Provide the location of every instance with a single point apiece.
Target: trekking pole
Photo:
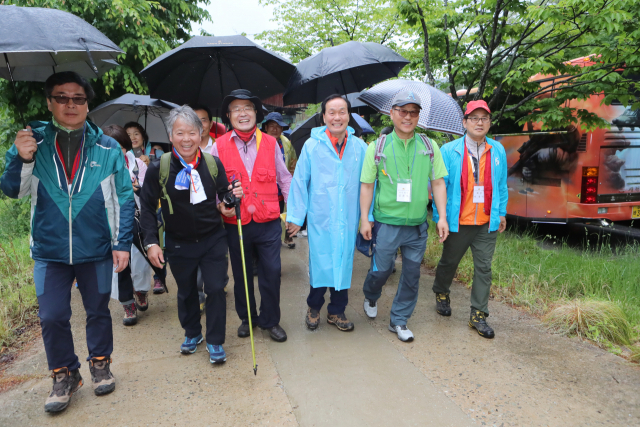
(246, 286)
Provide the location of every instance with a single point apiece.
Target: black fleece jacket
(188, 223)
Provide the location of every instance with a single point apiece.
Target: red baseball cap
(474, 105)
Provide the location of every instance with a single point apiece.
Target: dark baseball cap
(405, 97)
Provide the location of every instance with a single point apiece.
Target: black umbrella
(302, 132)
(358, 106)
(37, 42)
(347, 68)
(143, 109)
(205, 69)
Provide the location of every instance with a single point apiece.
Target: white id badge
(404, 191)
(478, 194)
(197, 190)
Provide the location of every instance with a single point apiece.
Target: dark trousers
(53, 282)
(483, 245)
(339, 299)
(210, 256)
(125, 284)
(264, 238)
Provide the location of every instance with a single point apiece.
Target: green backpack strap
(211, 165)
(165, 166)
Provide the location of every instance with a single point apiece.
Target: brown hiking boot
(130, 314)
(312, 318)
(65, 383)
(341, 322)
(142, 303)
(102, 379)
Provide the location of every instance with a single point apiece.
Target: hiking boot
(478, 321)
(190, 345)
(404, 334)
(142, 303)
(158, 287)
(370, 308)
(443, 304)
(312, 319)
(216, 354)
(65, 383)
(243, 329)
(102, 379)
(341, 322)
(130, 314)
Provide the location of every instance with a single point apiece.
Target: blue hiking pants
(412, 241)
(54, 282)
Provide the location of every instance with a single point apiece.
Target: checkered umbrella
(439, 111)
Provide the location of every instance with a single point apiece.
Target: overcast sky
(232, 17)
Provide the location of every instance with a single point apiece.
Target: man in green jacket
(402, 164)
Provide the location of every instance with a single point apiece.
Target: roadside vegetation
(18, 302)
(593, 293)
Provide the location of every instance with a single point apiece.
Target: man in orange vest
(253, 158)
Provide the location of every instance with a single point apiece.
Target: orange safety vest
(260, 202)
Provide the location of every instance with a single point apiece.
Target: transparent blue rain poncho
(326, 190)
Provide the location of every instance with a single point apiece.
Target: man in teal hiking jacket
(82, 212)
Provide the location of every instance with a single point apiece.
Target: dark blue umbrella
(366, 127)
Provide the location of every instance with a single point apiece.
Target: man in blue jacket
(82, 218)
(477, 198)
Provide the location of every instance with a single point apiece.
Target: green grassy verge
(18, 302)
(538, 279)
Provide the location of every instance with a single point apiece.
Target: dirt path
(448, 376)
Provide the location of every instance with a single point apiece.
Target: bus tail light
(589, 191)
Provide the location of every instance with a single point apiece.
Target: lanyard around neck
(415, 149)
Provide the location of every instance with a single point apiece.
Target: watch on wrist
(146, 248)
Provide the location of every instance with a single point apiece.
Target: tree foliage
(143, 29)
(493, 49)
(307, 26)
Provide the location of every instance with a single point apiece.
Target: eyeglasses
(237, 110)
(403, 113)
(64, 100)
(479, 119)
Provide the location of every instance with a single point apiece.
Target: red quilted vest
(260, 202)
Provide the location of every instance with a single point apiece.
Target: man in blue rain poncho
(326, 188)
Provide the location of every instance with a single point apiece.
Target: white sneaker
(371, 308)
(304, 233)
(404, 334)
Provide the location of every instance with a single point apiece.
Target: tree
(143, 29)
(307, 26)
(494, 48)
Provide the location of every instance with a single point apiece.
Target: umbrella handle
(15, 91)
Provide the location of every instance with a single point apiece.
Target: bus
(574, 176)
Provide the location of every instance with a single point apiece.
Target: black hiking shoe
(130, 314)
(65, 383)
(102, 379)
(443, 304)
(243, 329)
(312, 319)
(478, 321)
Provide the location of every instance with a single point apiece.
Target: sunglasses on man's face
(61, 99)
(403, 113)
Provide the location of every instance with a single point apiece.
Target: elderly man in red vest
(253, 158)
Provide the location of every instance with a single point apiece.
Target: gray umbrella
(149, 112)
(439, 111)
(37, 42)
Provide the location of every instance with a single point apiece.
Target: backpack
(379, 153)
(165, 166)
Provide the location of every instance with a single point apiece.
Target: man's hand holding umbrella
(26, 144)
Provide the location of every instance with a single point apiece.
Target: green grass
(526, 275)
(18, 302)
